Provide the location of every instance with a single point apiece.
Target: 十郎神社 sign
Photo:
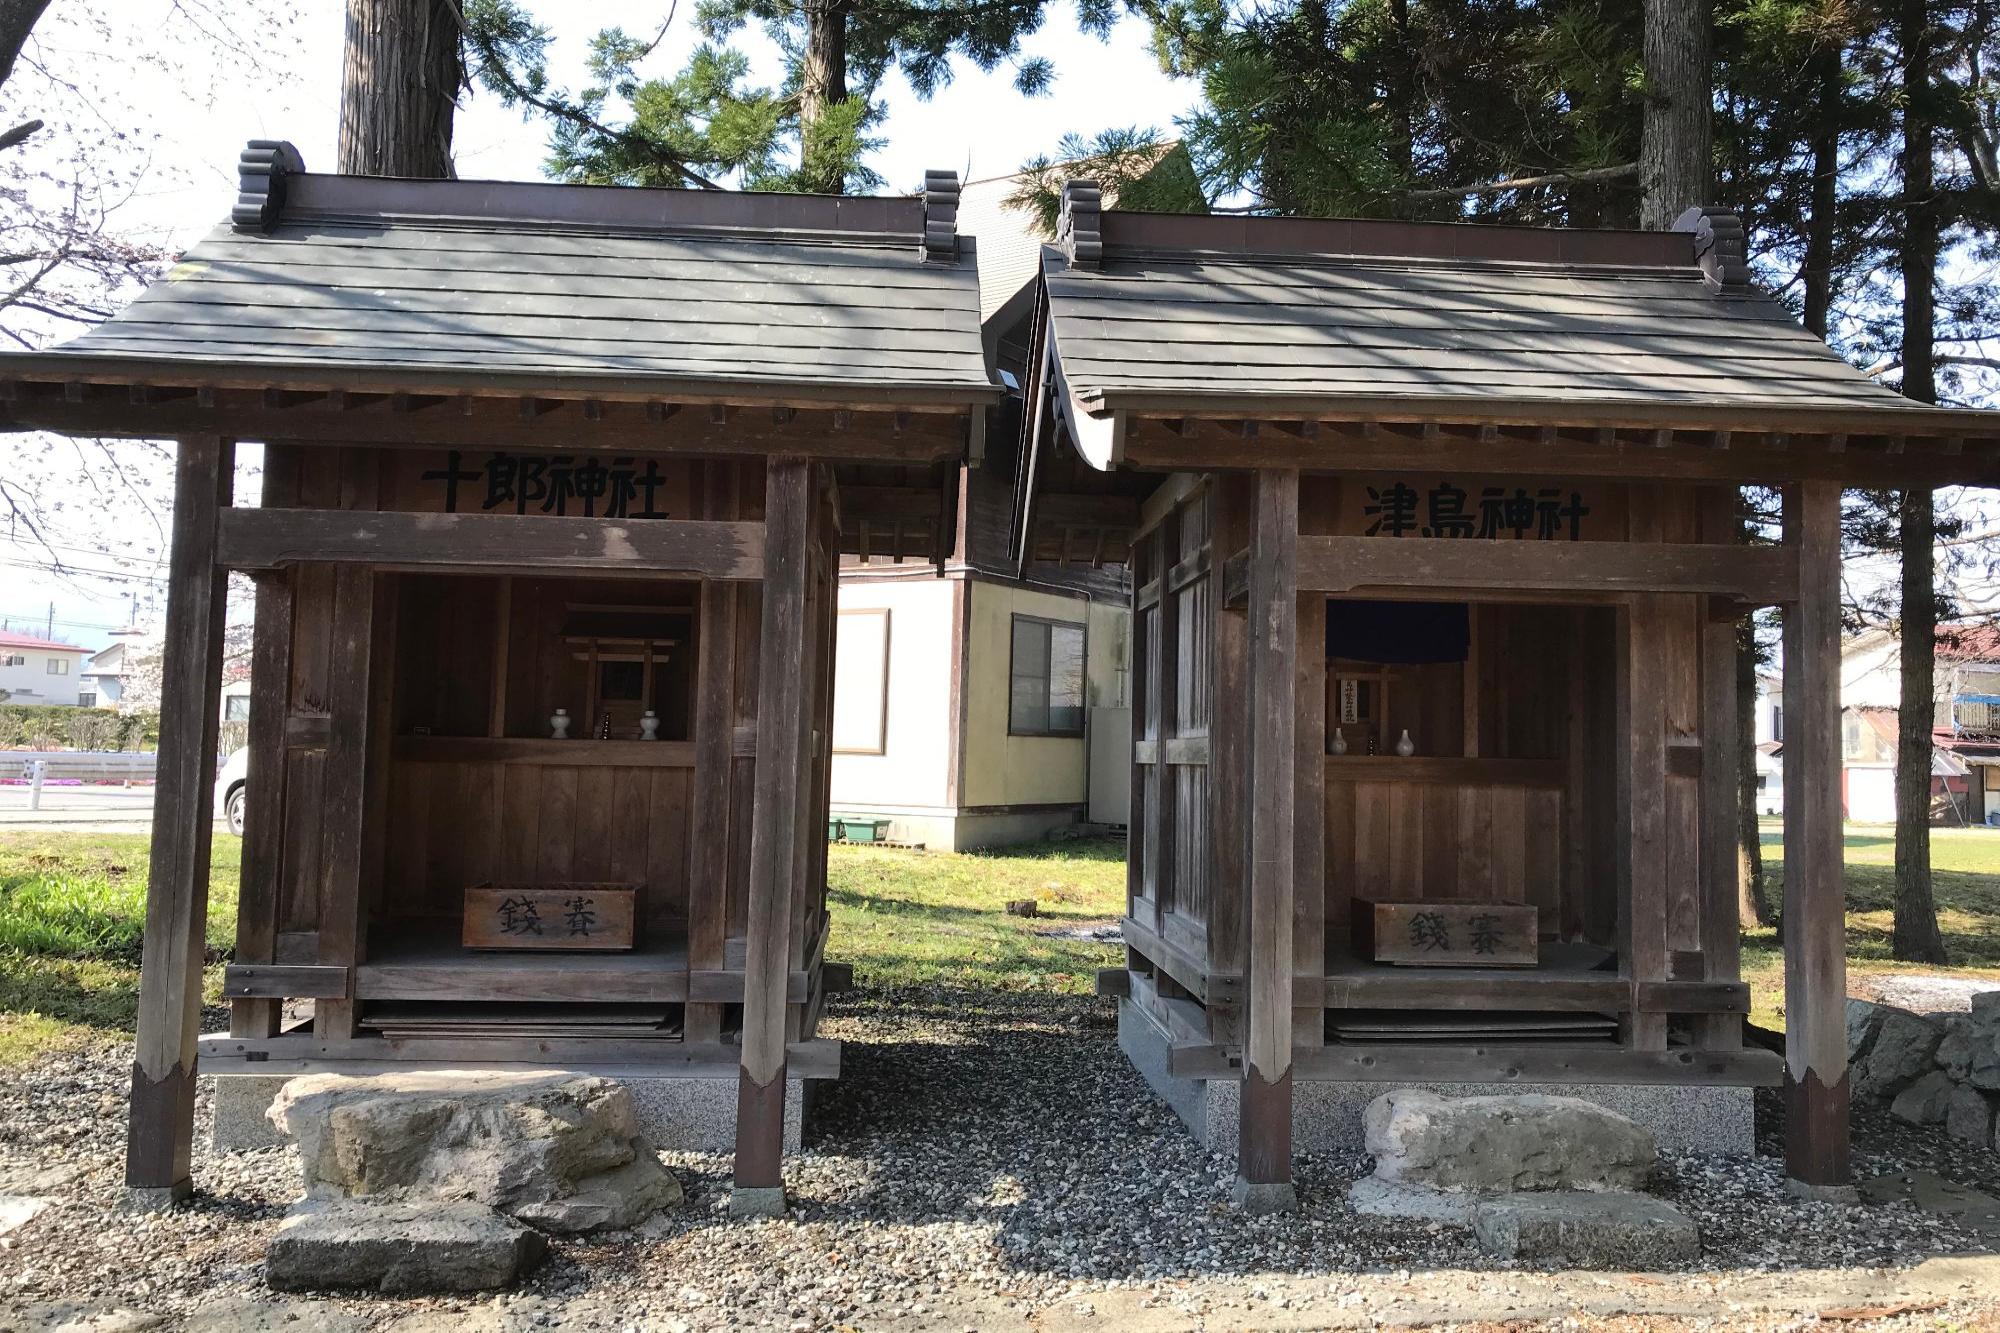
(580, 485)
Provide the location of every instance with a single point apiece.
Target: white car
(229, 794)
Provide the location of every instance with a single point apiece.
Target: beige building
(985, 701)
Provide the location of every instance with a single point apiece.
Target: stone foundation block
(1327, 1117)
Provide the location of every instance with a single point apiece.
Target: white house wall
(31, 682)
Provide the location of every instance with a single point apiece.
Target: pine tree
(708, 124)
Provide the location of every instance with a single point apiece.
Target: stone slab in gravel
(1586, 1230)
(1503, 1144)
(252, 1316)
(1969, 1208)
(17, 1210)
(1372, 1196)
(399, 1246)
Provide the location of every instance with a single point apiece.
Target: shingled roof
(1323, 319)
(451, 286)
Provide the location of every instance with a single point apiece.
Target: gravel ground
(983, 1159)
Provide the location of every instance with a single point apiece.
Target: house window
(1777, 722)
(1852, 749)
(58, 666)
(861, 682)
(12, 659)
(86, 698)
(236, 708)
(1045, 695)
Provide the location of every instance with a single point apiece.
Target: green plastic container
(848, 828)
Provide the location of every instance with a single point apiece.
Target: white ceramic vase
(559, 725)
(1404, 745)
(649, 725)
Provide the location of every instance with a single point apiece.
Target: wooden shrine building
(527, 448)
(1436, 592)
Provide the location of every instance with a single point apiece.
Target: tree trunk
(1916, 936)
(1753, 907)
(1818, 273)
(17, 20)
(822, 86)
(398, 88)
(1676, 145)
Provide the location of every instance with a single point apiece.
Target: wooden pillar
(1228, 755)
(714, 748)
(344, 791)
(1264, 1144)
(1721, 932)
(1642, 803)
(781, 778)
(1319, 504)
(161, 1136)
(264, 779)
(1815, 920)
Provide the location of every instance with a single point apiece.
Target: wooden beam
(244, 981)
(1757, 576)
(1441, 1063)
(872, 433)
(1264, 1146)
(160, 1138)
(775, 819)
(610, 1056)
(1816, 1118)
(491, 543)
(1216, 444)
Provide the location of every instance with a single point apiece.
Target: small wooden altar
(527, 448)
(1477, 486)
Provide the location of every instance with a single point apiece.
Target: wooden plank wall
(1450, 837)
(1171, 873)
(456, 824)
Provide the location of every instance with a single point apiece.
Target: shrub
(54, 727)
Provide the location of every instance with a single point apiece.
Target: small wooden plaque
(550, 916)
(1446, 932)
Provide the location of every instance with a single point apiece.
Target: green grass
(908, 918)
(72, 910)
(1965, 873)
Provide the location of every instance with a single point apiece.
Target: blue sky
(191, 105)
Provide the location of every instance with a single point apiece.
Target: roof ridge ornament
(1078, 229)
(261, 170)
(1721, 248)
(940, 240)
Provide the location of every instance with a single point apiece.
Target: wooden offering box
(550, 916)
(1446, 932)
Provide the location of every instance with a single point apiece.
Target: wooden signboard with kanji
(1454, 932)
(550, 916)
